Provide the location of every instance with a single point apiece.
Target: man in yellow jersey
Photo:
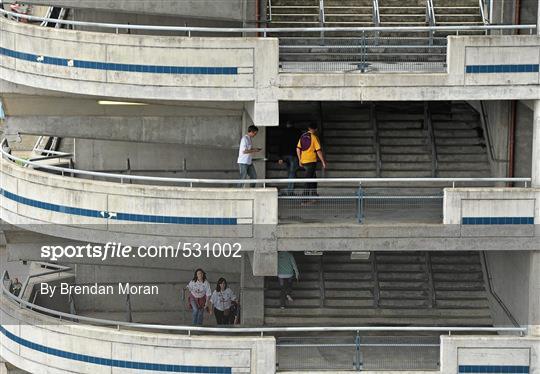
(309, 150)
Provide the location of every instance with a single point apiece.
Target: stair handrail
(376, 15)
(431, 136)
(376, 140)
(322, 19)
(430, 15)
(494, 293)
(269, 11)
(47, 15)
(482, 4)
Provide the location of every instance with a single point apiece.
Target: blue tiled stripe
(114, 363)
(497, 220)
(96, 65)
(523, 68)
(513, 369)
(118, 216)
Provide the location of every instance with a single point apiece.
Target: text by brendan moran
(97, 289)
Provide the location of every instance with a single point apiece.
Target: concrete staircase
(390, 288)
(404, 141)
(457, 13)
(459, 141)
(402, 12)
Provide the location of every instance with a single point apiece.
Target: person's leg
(282, 292)
(292, 162)
(219, 316)
(289, 288)
(194, 311)
(243, 173)
(310, 173)
(200, 316)
(252, 174)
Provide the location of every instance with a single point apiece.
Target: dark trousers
(311, 172)
(221, 318)
(285, 285)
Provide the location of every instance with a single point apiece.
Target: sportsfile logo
(118, 250)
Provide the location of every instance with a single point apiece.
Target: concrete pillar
(535, 172)
(534, 294)
(251, 294)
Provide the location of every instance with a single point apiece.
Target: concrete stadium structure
(121, 122)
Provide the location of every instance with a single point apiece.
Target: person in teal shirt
(287, 270)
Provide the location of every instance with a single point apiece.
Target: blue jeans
(245, 171)
(196, 313)
(292, 166)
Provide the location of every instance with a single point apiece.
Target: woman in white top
(222, 300)
(199, 294)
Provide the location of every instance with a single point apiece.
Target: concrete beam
(535, 170)
(221, 132)
(534, 294)
(208, 9)
(263, 113)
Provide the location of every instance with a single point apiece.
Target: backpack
(305, 141)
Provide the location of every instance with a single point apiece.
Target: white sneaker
(290, 298)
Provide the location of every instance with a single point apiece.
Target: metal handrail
(263, 30)
(430, 9)
(356, 181)
(322, 17)
(376, 13)
(431, 134)
(254, 330)
(482, 12)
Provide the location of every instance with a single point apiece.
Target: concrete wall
(122, 212)
(523, 141)
(144, 67)
(237, 10)
(485, 354)
(463, 204)
(510, 271)
(27, 338)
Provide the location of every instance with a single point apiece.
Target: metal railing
(376, 13)
(430, 15)
(242, 330)
(355, 182)
(263, 30)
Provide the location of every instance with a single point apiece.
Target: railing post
(360, 205)
(358, 356)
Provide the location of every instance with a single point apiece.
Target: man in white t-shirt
(245, 155)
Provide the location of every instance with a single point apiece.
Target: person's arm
(318, 150)
(299, 154)
(321, 157)
(208, 293)
(211, 302)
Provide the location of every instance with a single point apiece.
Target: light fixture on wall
(360, 255)
(110, 102)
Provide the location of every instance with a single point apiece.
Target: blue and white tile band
(109, 66)
(522, 68)
(118, 215)
(114, 363)
(493, 369)
(497, 220)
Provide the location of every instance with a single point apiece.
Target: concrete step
(461, 276)
(406, 166)
(457, 150)
(406, 157)
(405, 149)
(400, 125)
(348, 3)
(344, 284)
(334, 149)
(474, 157)
(362, 133)
(459, 141)
(346, 267)
(356, 303)
(459, 295)
(352, 276)
(349, 141)
(344, 157)
(297, 302)
(401, 294)
(455, 3)
(347, 125)
(463, 166)
(464, 174)
(472, 133)
(331, 293)
(406, 174)
(370, 312)
(397, 320)
(403, 141)
(298, 294)
(402, 133)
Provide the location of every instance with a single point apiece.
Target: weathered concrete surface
(535, 168)
(489, 350)
(223, 9)
(242, 354)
